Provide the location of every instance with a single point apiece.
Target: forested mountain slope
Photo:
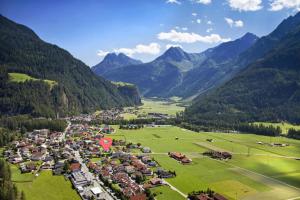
(78, 89)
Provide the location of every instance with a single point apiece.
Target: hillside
(217, 67)
(267, 90)
(77, 88)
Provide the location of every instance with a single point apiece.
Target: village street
(95, 182)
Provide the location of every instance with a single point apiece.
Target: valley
(150, 100)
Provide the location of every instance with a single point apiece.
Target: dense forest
(27, 123)
(78, 88)
(8, 191)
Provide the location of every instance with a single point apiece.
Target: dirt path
(175, 189)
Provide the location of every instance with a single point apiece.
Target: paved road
(90, 176)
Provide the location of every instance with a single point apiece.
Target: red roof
(75, 167)
(140, 196)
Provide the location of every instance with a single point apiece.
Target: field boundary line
(175, 189)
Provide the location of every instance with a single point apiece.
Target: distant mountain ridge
(178, 73)
(113, 61)
(78, 89)
(268, 89)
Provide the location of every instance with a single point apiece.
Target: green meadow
(256, 171)
(151, 106)
(20, 78)
(44, 186)
(283, 125)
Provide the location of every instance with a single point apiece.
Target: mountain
(42, 79)
(158, 77)
(113, 61)
(216, 67)
(268, 89)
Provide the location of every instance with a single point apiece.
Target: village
(116, 174)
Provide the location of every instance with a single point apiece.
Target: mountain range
(176, 72)
(268, 89)
(28, 65)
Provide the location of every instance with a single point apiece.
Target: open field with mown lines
(255, 172)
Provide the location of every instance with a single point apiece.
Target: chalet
(146, 150)
(140, 196)
(74, 167)
(156, 181)
(78, 179)
(217, 196)
(164, 174)
(37, 156)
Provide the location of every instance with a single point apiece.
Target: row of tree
(8, 190)
(27, 123)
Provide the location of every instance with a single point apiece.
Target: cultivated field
(155, 106)
(284, 126)
(256, 171)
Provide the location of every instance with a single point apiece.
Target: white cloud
(173, 1)
(245, 5)
(184, 28)
(232, 23)
(209, 22)
(239, 23)
(206, 2)
(209, 30)
(152, 48)
(194, 14)
(102, 53)
(173, 45)
(198, 21)
(277, 5)
(185, 37)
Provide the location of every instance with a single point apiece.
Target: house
(217, 196)
(75, 167)
(164, 174)
(146, 150)
(36, 156)
(156, 181)
(96, 192)
(130, 169)
(140, 196)
(78, 179)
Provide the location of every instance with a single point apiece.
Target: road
(90, 176)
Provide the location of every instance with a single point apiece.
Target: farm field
(150, 106)
(255, 172)
(45, 186)
(284, 126)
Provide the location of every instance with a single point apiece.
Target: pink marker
(105, 143)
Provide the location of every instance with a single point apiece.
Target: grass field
(45, 186)
(20, 78)
(231, 178)
(284, 126)
(152, 106)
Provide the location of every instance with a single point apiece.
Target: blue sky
(143, 29)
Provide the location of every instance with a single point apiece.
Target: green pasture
(20, 78)
(229, 178)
